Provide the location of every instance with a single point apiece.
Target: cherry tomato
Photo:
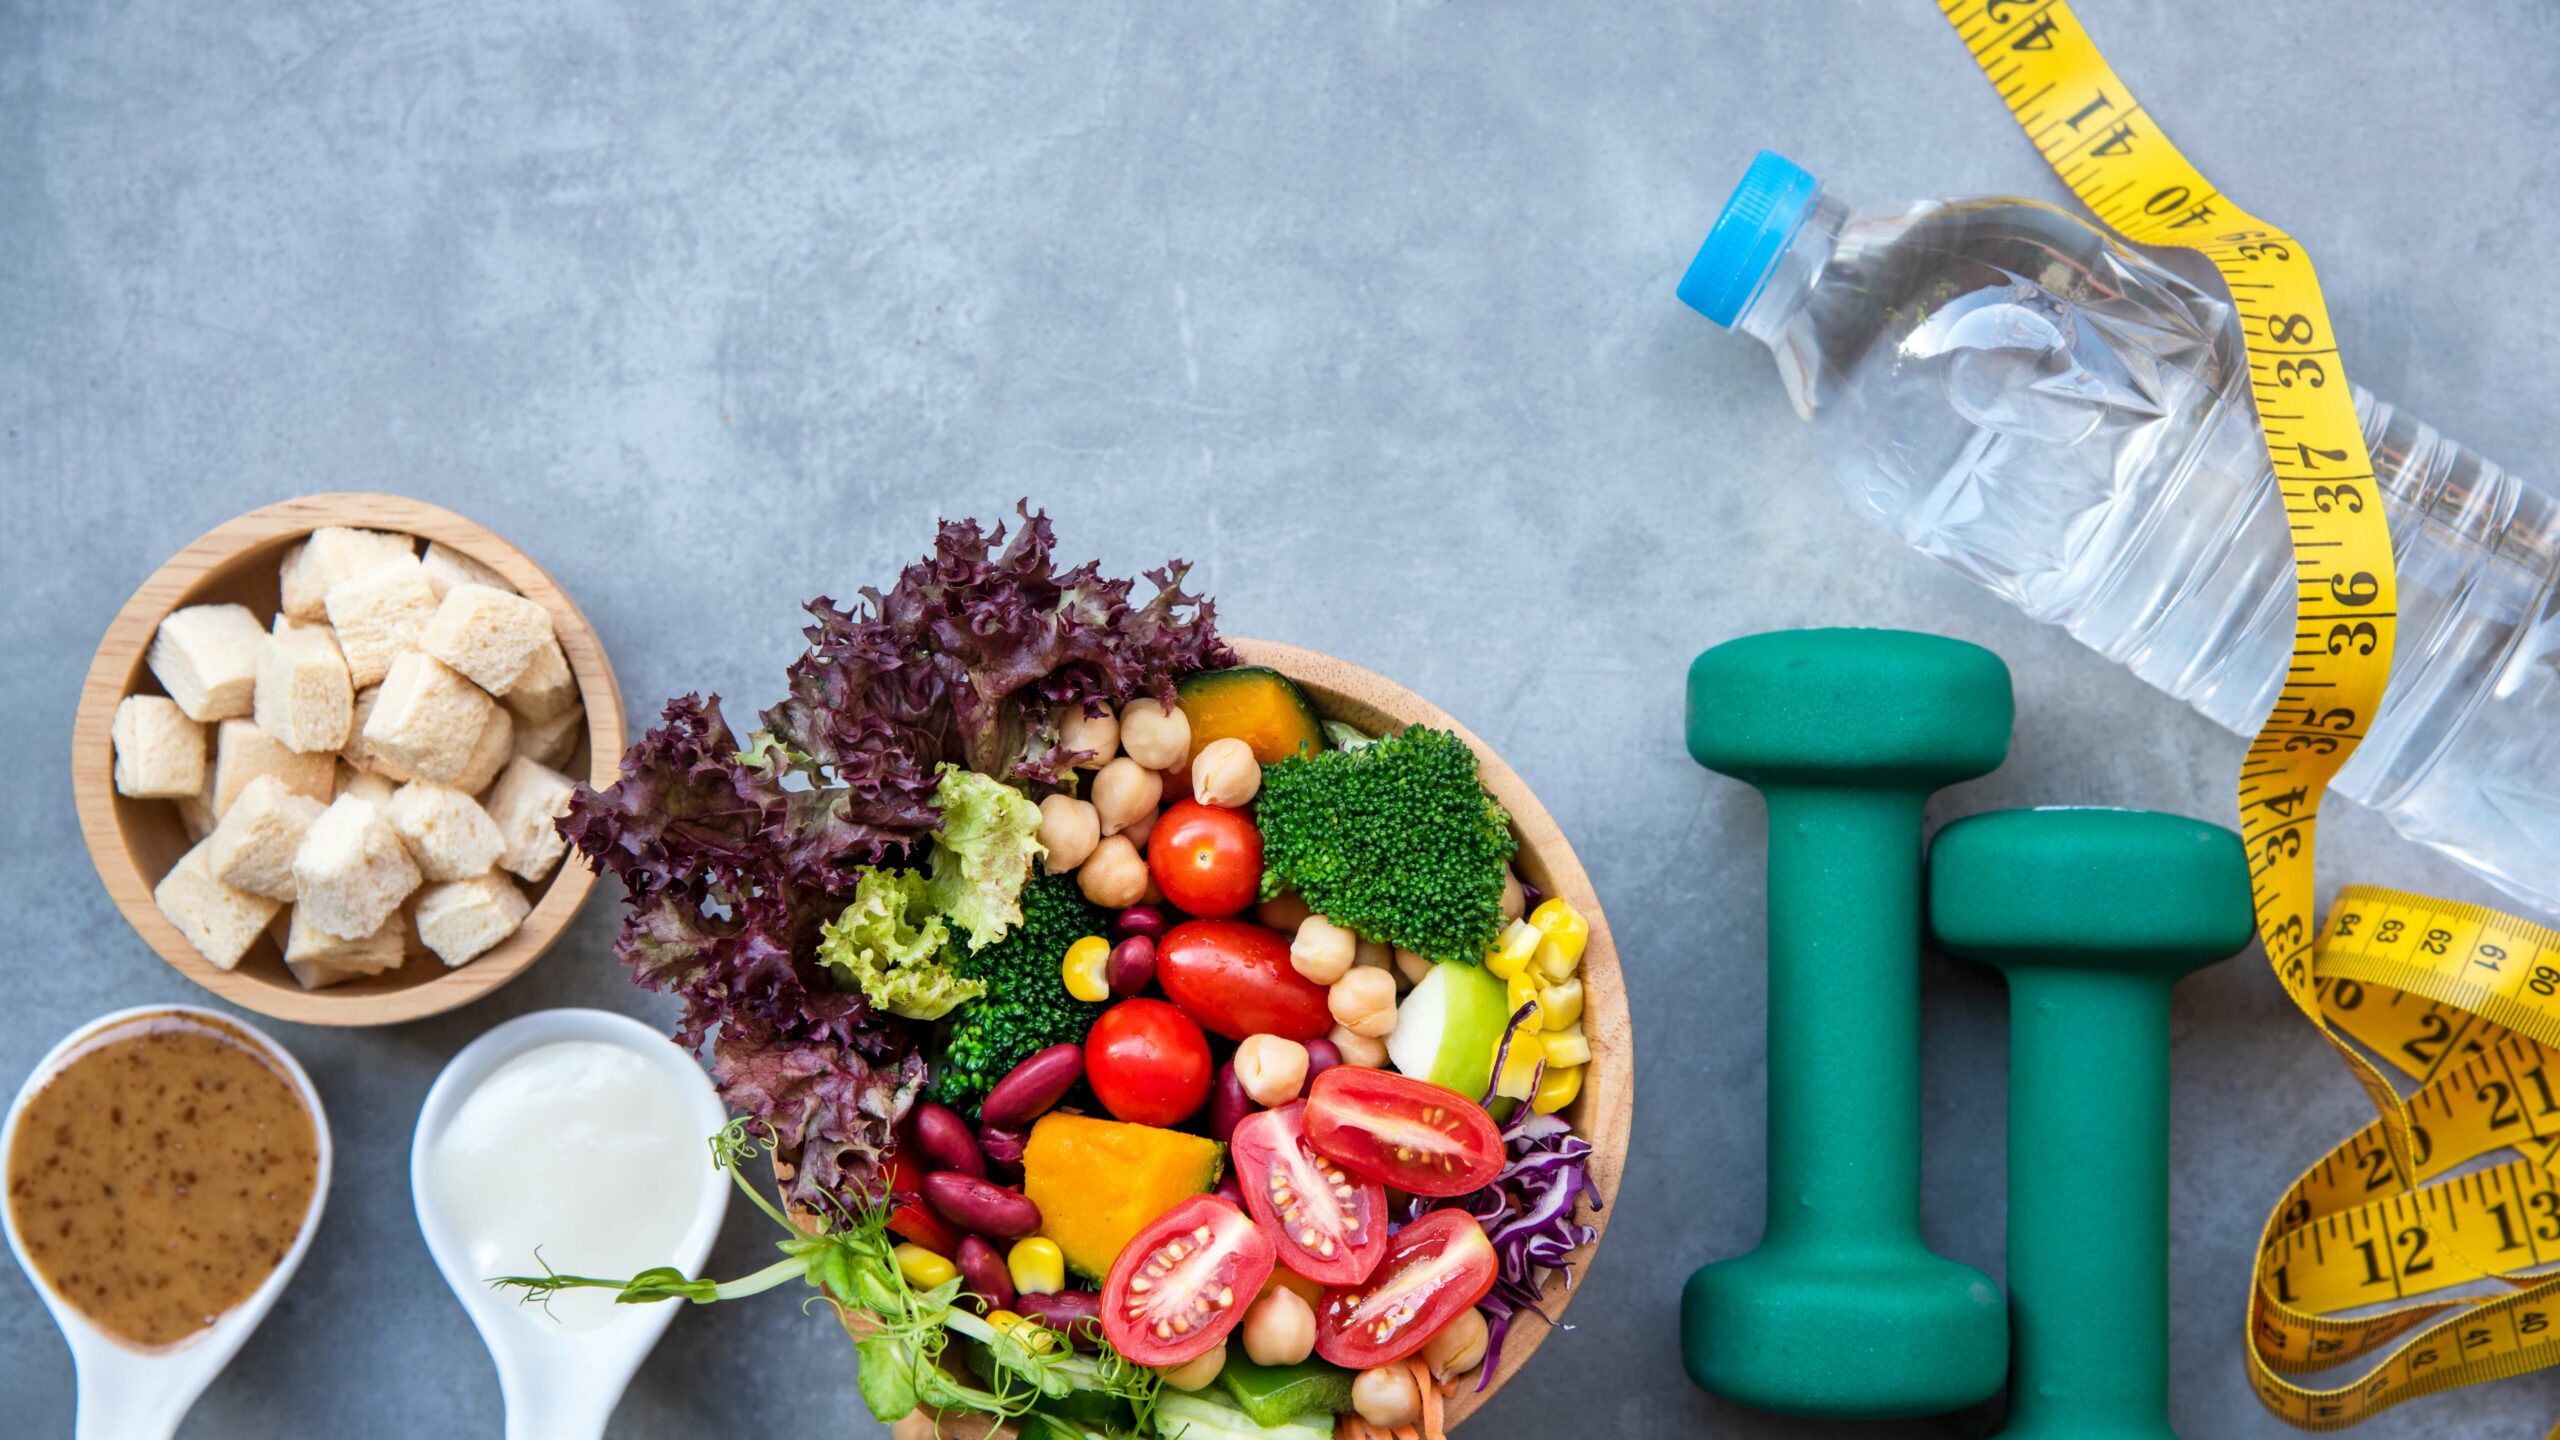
(1435, 1269)
(1410, 1134)
(1330, 1225)
(1206, 860)
(1178, 1288)
(1234, 977)
(1148, 1062)
(908, 1217)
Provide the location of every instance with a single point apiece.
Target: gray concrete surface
(1367, 308)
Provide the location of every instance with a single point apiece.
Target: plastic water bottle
(2070, 424)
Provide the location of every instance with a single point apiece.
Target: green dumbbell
(1843, 1311)
(2093, 915)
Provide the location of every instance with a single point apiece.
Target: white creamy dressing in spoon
(583, 1148)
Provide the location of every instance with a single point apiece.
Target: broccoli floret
(1026, 1007)
(1396, 840)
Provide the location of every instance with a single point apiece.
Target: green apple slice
(1447, 1029)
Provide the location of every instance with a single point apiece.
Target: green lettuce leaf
(894, 946)
(982, 853)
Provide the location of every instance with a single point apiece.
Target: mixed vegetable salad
(1142, 1054)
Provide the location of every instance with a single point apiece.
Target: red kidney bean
(1132, 968)
(1030, 1088)
(944, 1140)
(1322, 1055)
(1076, 1313)
(981, 1206)
(1144, 920)
(1230, 1190)
(1003, 1147)
(982, 1273)
(1228, 1104)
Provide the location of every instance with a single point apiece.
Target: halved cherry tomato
(1409, 1134)
(1178, 1288)
(908, 1217)
(1206, 860)
(1436, 1268)
(1234, 977)
(1148, 1062)
(1331, 1225)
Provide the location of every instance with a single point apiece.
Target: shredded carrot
(1432, 1428)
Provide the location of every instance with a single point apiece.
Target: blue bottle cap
(1759, 218)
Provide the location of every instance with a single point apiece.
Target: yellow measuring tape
(2461, 1000)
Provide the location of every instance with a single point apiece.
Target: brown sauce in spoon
(161, 1175)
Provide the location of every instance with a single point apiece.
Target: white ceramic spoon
(126, 1392)
(561, 1383)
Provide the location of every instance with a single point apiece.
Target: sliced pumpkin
(1099, 1182)
(1255, 704)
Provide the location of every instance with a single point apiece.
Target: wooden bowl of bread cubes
(319, 754)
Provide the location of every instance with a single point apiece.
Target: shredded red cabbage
(1528, 1210)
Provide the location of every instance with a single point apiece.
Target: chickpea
(1410, 968)
(1155, 734)
(1198, 1373)
(1364, 1002)
(1387, 1397)
(1284, 912)
(1125, 793)
(1322, 951)
(1115, 875)
(1146, 826)
(1458, 1348)
(1514, 899)
(1272, 1069)
(1098, 736)
(1225, 774)
(1069, 829)
(1357, 1049)
(1279, 1329)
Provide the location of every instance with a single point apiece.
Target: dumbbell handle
(1844, 1017)
(2088, 1201)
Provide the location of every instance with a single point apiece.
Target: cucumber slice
(1276, 1394)
(1447, 1029)
(1211, 1416)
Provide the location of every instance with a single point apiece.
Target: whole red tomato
(1234, 977)
(1147, 1062)
(1208, 861)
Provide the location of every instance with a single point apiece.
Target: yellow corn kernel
(1086, 969)
(1559, 1005)
(1556, 1089)
(1567, 1047)
(1520, 1067)
(922, 1268)
(1564, 925)
(1522, 989)
(1038, 1266)
(1551, 964)
(1511, 954)
(1030, 1334)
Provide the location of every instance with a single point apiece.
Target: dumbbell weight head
(2107, 889)
(1826, 707)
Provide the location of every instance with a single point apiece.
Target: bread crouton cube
(222, 923)
(490, 636)
(304, 695)
(551, 742)
(378, 613)
(364, 785)
(331, 554)
(362, 753)
(525, 801)
(462, 919)
(253, 845)
(308, 944)
(497, 745)
(426, 723)
(546, 689)
(352, 872)
(242, 752)
(447, 832)
(447, 567)
(195, 812)
(159, 751)
(206, 657)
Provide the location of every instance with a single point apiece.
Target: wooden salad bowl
(1602, 1114)
(135, 842)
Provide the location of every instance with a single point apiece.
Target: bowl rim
(119, 657)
